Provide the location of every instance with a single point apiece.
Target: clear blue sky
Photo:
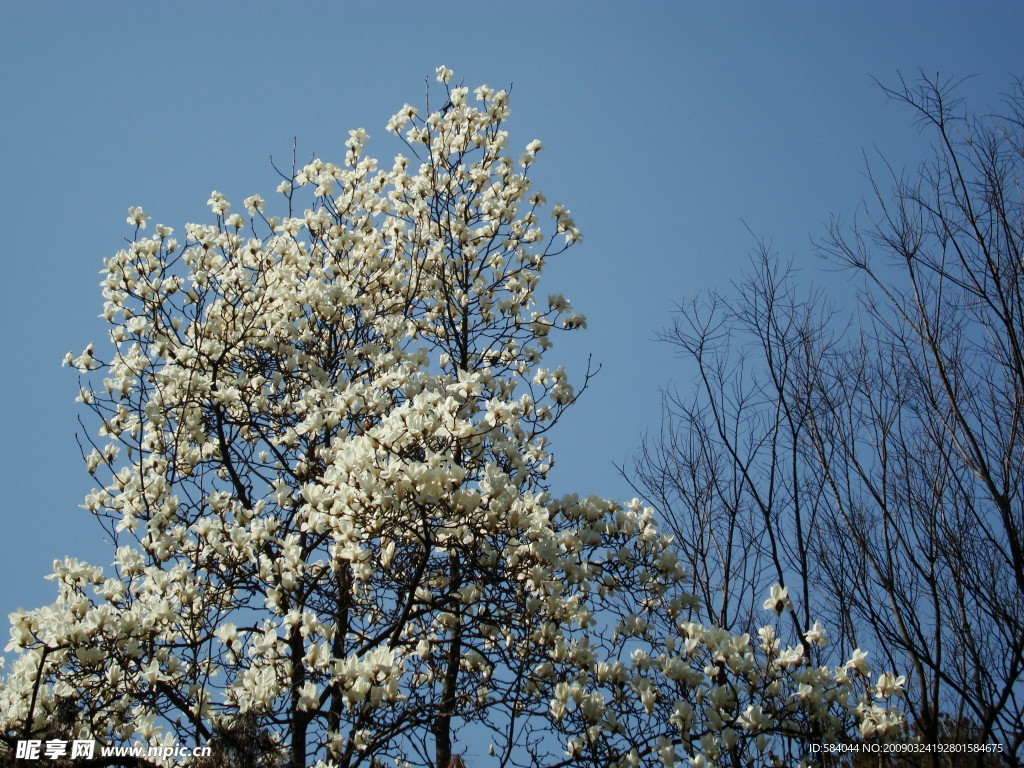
(666, 125)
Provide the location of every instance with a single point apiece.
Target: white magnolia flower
(254, 204)
(858, 661)
(816, 635)
(137, 217)
(889, 685)
(778, 601)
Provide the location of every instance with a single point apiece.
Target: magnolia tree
(322, 459)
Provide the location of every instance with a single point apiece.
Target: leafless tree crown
(872, 461)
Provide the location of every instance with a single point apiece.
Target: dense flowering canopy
(323, 463)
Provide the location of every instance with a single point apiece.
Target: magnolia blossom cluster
(323, 458)
(667, 689)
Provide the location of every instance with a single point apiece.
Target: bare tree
(875, 466)
(727, 465)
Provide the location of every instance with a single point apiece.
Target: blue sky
(670, 129)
